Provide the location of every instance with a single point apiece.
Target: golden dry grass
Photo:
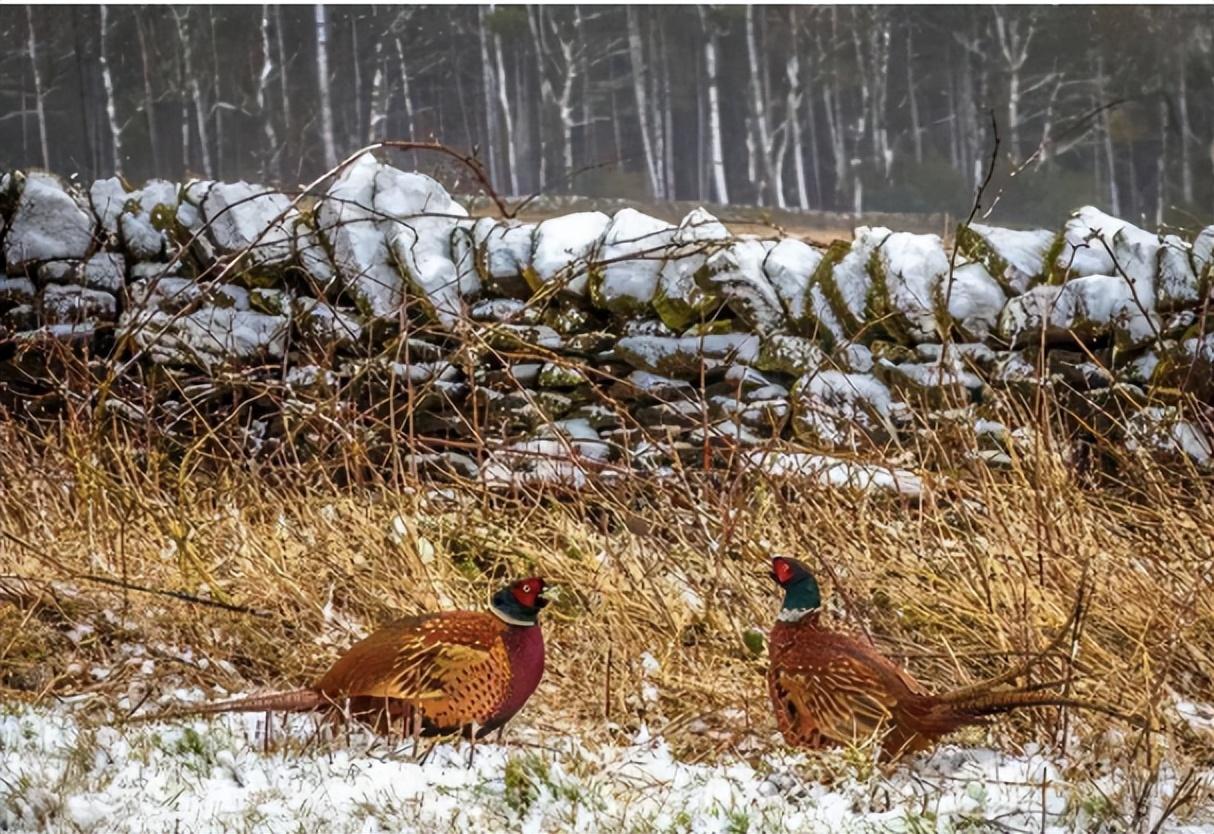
(959, 585)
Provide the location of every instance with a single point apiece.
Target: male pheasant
(829, 688)
(465, 672)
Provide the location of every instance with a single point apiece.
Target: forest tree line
(846, 108)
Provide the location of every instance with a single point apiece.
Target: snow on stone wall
(607, 342)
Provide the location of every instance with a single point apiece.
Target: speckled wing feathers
(451, 666)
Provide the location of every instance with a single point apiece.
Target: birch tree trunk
(39, 92)
(717, 151)
(273, 151)
(149, 100)
(758, 107)
(913, 97)
(1186, 129)
(184, 34)
(107, 83)
(1110, 159)
(327, 136)
(504, 102)
(283, 83)
(1161, 163)
(637, 56)
(1014, 47)
(793, 106)
(667, 132)
(488, 87)
(535, 20)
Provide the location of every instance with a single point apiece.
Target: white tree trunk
(39, 93)
(758, 108)
(200, 111)
(1014, 46)
(1186, 129)
(381, 95)
(504, 101)
(327, 136)
(107, 83)
(273, 150)
(488, 87)
(793, 106)
(717, 157)
(282, 72)
(667, 131)
(1110, 159)
(636, 55)
(913, 98)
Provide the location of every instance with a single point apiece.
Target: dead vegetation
(236, 578)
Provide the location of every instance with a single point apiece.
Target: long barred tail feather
(995, 702)
(296, 700)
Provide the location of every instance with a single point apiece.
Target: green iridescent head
(801, 591)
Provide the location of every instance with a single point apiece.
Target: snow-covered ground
(58, 773)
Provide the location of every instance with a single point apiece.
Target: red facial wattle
(782, 571)
(527, 593)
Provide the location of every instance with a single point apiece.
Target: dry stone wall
(589, 343)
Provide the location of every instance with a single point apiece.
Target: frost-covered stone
(1024, 316)
(793, 355)
(629, 260)
(317, 320)
(14, 291)
(908, 273)
(686, 355)
(58, 272)
(243, 217)
(107, 198)
(312, 257)
(790, 266)
(418, 218)
(678, 299)
(510, 310)
(973, 300)
(562, 250)
(1018, 260)
(1177, 286)
(1164, 430)
(502, 251)
(833, 472)
(844, 282)
(208, 337)
(1092, 306)
(104, 271)
(936, 384)
(48, 223)
(842, 410)
(1089, 238)
(146, 216)
(736, 274)
(346, 220)
(71, 304)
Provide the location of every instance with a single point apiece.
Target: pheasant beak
(773, 576)
(541, 600)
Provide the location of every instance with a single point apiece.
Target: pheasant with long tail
(465, 672)
(829, 688)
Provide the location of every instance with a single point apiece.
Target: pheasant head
(519, 603)
(801, 593)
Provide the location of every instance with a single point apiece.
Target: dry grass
(959, 585)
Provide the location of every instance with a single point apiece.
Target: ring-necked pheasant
(451, 672)
(829, 688)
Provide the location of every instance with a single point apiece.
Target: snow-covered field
(58, 773)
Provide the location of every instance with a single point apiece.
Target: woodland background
(849, 108)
